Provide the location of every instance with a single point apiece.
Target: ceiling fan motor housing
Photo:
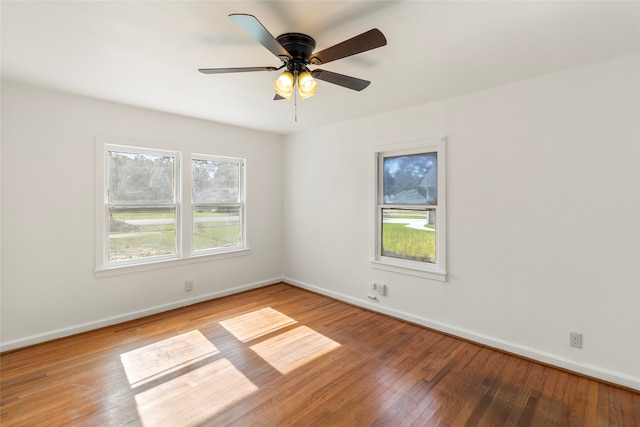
(300, 47)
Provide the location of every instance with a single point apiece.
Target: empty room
(327, 213)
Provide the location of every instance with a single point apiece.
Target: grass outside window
(135, 235)
(216, 229)
(408, 235)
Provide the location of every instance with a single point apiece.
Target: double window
(152, 212)
(410, 209)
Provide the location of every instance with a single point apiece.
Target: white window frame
(241, 203)
(436, 270)
(184, 222)
(106, 206)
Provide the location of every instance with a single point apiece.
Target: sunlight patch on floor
(247, 327)
(195, 397)
(147, 363)
(186, 380)
(295, 348)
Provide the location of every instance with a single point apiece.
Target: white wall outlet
(188, 285)
(575, 339)
(382, 290)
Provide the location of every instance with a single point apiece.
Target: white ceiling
(146, 53)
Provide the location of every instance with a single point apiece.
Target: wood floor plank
(280, 355)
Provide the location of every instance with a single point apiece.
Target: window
(142, 204)
(143, 201)
(217, 203)
(410, 209)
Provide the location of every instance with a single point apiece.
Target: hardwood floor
(284, 356)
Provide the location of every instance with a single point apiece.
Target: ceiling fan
(295, 51)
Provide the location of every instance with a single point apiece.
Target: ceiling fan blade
(340, 79)
(371, 39)
(278, 97)
(235, 70)
(251, 25)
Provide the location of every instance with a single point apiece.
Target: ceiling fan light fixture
(307, 86)
(284, 84)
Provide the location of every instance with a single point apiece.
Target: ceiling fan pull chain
(295, 97)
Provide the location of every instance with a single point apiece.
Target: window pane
(409, 234)
(215, 181)
(141, 233)
(216, 228)
(411, 180)
(136, 178)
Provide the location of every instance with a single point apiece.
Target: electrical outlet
(382, 290)
(188, 285)
(575, 339)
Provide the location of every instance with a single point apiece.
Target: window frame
(241, 203)
(176, 205)
(437, 269)
(184, 223)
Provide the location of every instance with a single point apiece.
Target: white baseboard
(89, 326)
(530, 353)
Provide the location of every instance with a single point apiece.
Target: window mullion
(409, 207)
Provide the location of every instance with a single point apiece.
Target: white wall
(543, 217)
(49, 288)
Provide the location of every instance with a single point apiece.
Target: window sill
(165, 263)
(411, 271)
